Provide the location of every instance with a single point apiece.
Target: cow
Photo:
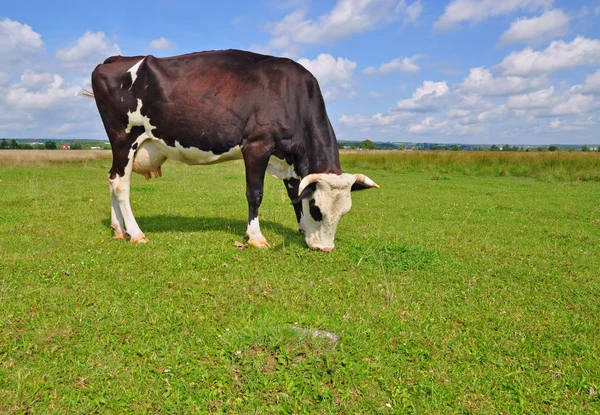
(214, 106)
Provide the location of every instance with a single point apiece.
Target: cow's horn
(361, 178)
(311, 178)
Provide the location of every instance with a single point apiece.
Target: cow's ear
(307, 193)
(360, 186)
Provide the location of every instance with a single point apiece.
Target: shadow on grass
(237, 227)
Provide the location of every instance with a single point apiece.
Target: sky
(438, 71)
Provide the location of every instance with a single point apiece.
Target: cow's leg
(256, 160)
(119, 180)
(291, 185)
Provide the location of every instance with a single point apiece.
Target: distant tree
(26, 146)
(494, 148)
(367, 145)
(76, 146)
(3, 144)
(14, 144)
(553, 148)
(352, 147)
(585, 148)
(50, 145)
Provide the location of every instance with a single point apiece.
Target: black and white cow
(210, 107)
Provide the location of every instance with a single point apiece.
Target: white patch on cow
(133, 72)
(253, 230)
(279, 169)
(136, 119)
(194, 155)
(332, 197)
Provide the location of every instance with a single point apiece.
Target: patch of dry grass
(545, 166)
(46, 158)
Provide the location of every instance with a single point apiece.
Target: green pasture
(461, 286)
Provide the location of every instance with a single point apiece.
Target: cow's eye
(314, 210)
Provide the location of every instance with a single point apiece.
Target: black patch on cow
(306, 193)
(314, 210)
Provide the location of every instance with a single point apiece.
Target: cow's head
(325, 199)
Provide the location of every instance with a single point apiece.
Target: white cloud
(404, 65)
(19, 47)
(348, 17)
(481, 81)
(534, 30)
(333, 75)
(161, 43)
(547, 102)
(377, 120)
(499, 113)
(90, 50)
(32, 79)
(430, 97)
(459, 11)
(413, 12)
(592, 84)
(375, 94)
(17, 38)
(558, 56)
(45, 95)
(538, 99)
(427, 125)
(328, 69)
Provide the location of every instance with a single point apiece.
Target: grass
(450, 293)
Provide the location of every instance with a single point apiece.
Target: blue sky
(467, 71)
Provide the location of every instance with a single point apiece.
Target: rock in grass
(317, 333)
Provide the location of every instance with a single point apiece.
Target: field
(467, 284)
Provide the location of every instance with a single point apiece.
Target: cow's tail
(87, 92)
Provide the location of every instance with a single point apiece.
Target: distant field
(44, 158)
(467, 284)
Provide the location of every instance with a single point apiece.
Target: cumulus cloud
(558, 56)
(427, 125)
(19, 45)
(160, 44)
(481, 81)
(48, 90)
(592, 84)
(333, 75)
(90, 50)
(535, 30)
(348, 17)
(403, 65)
(429, 97)
(328, 69)
(547, 102)
(413, 12)
(558, 125)
(377, 120)
(459, 11)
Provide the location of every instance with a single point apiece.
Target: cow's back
(207, 100)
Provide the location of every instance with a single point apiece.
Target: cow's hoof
(259, 243)
(119, 236)
(139, 240)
